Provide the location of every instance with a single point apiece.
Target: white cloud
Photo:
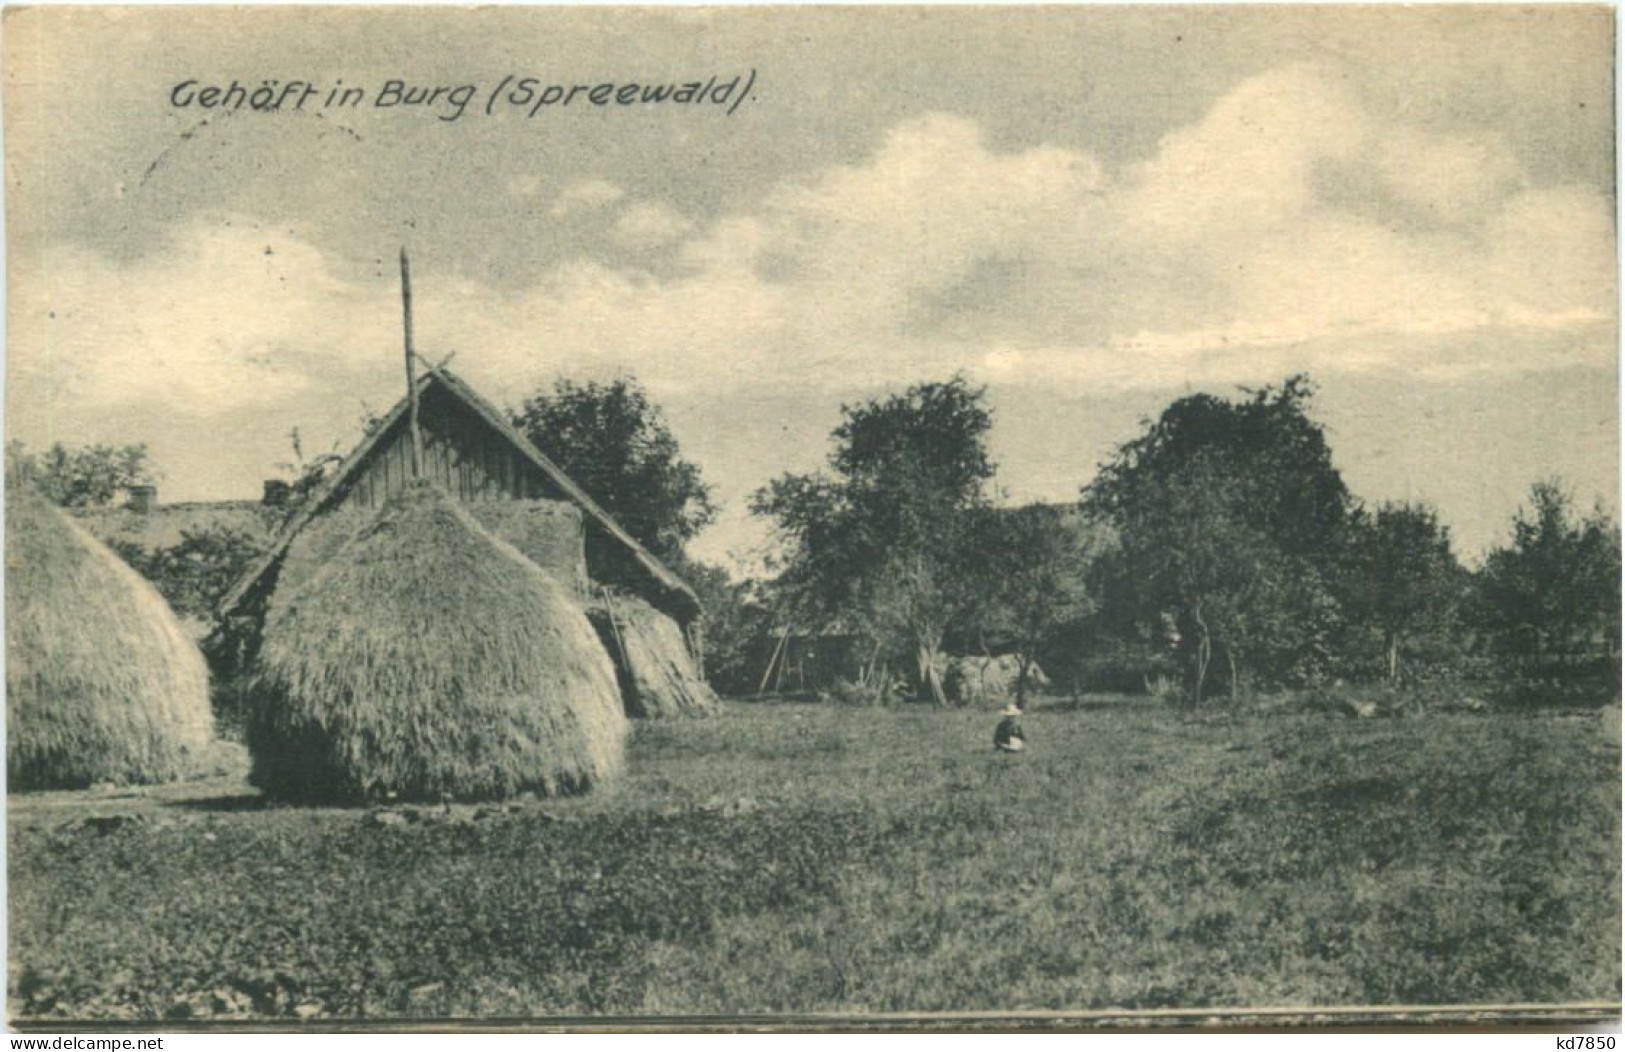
(1285, 229)
(649, 225)
(225, 317)
(1449, 177)
(524, 186)
(1249, 164)
(585, 196)
(1551, 254)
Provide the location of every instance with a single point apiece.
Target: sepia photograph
(811, 517)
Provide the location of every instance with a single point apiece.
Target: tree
(195, 573)
(1265, 449)
(1037, 560)
(1189, 555)
(917, 594)
(883, 540)
(613, 441)
(83, 476)
(734, 619)
(1404, 582)
(1233, 520)
(1553, 592)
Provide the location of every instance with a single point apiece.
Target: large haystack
(428, 659)
(317, 543)
(657, 676)
(102, 683)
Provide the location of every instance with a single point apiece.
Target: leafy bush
(196, 573)
(734, 621)
(1585, 683)
(1162, 686)
(80, 477)
(878, 693)
(1129, 664)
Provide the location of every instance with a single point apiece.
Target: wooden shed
(474, 454)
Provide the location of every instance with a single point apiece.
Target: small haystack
(973, 680)
(427, 659)
(657, 676)
(102, 683)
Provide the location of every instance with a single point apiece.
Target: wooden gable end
(462, 453)
(473, 453)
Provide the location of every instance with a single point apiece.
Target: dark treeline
(1216, 554)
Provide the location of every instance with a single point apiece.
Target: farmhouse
(646, 616)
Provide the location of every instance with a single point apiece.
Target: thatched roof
(166, 525)
(428, 659)
(102, 683)
(453, 385)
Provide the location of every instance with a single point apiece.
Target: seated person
(1007, 736)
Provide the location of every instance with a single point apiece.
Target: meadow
(800, 858)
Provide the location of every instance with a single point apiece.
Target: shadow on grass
(248, 801)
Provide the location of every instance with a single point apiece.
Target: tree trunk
(1204, 654)
(767, 673)
(784, 659)
(1024, 662)
(867, 669)
(1393, 659)
(1235, 675)
(929, 680)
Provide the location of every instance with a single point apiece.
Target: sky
(1089, 210)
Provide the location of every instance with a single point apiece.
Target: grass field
(791, 858)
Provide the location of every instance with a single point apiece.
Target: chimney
(276, 493)
(143, 499)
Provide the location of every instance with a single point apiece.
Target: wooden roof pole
(615, 628)
(767, 673)
(411, 367)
